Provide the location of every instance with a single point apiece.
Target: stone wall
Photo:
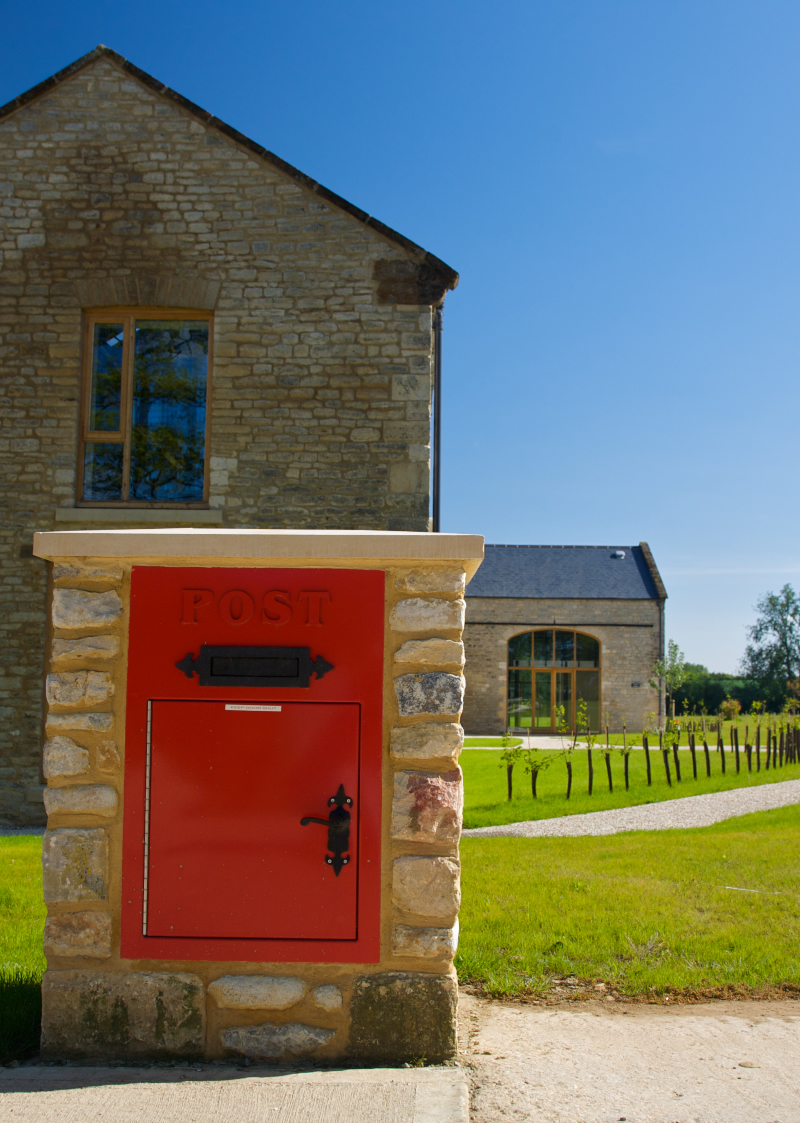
(115, 191)
(402, 1008)
(630, 638)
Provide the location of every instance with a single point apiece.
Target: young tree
(773, 654)
(669, 673)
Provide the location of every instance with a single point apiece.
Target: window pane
(565, 649)
(170, 369)
(102, 471)
(587, 689)
(564, 696)
(588, 651)
(106, 377)
(519, 699)
(542, 649)
(543, 714)
(519, 650)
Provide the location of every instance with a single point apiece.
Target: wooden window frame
(127, 316)
(551, 670)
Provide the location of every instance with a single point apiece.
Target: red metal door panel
(242, 897)
(229, 785)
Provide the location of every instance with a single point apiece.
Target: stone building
(192, 333)
(554, 626)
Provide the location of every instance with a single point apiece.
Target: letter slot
(254, 666)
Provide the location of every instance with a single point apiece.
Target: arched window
(548, 669)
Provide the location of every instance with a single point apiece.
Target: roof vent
(618, 554)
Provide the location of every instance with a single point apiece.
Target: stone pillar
(402, 1008)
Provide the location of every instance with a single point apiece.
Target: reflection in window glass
(106, 378)
(564, 696)
(519, 699)
(543, 703)
(588, 651)
(565, 649)
(519, 650)
(542, 649)
(553, 688)
(169, 410)
(587, 689)
(102, 471)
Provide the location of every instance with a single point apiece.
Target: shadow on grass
(20, 1012)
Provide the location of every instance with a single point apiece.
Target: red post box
(253, 794)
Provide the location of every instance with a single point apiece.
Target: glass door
(564, 697)
(543, 702)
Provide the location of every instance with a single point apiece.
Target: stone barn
(550, 627)
(193, 334)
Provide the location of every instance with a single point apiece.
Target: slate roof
(567, 572)
(436, 276)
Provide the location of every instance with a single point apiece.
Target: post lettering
(277, 609)
(192, 600)
(315, 599)
(236, 607)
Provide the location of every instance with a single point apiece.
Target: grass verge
(491, 742)
(746, 726)
(486, 799)
(646, 914)
(22, 962)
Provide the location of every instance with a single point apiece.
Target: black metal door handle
(338, 824)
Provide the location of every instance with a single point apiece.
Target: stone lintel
(398, 547)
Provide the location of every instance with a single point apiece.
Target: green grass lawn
(746, 727)
(22, 962)
(645, 913)
(485, 787)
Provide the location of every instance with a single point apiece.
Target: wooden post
(665, 756)
(758, 746)
(646, 747)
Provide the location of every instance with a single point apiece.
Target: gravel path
(693, 811)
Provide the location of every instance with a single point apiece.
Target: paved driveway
(604, 1061)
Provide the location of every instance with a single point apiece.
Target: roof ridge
(448, 275)
(539, 546)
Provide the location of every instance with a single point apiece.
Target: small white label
(257, 709)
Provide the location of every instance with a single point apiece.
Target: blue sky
(616, 181)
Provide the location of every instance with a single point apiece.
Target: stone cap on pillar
(183, 545)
